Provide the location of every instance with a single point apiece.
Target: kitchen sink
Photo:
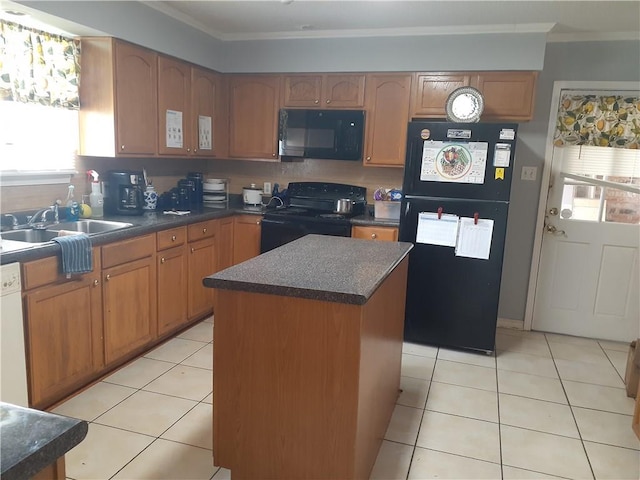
(29, 235)
(88, 226)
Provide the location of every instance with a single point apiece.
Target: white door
(588, 272)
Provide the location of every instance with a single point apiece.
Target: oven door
(277, 232)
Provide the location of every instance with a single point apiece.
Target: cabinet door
(136, 100)
(65, 350)
(431, 91)
(204, 93)
(129, 304)
(172, 289)
(507, 95)
(224, 243)
(387, 106)
(343, 91)
(202, 263)
(253, 127)
(302, 90)
(246, 237)
(174, 107)
(388, 234)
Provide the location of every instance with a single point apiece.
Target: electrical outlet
(529, 173)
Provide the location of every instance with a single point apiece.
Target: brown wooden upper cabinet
(507, 95)
(118, 114)
(253, 116)
(387, 109)
(174, 107)
(431, 90)
(189, 110)
(323, 91)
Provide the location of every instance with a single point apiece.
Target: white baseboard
(510, 323)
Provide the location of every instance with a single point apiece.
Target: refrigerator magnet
(501, 155)
(499, 174)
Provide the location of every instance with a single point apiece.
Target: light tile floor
(544, 406)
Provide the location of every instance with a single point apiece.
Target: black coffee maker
(123, 192)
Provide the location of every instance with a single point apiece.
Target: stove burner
(331, 215)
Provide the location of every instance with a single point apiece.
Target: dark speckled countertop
(32, 440)
(318, 267)
(150, 222)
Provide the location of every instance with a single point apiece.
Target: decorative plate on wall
(465, 105)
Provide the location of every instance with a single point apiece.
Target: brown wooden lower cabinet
(202, 263)
(246, 237)
(172, 270)
(63, 321)
(64, 331)
(129, 297)
(55, 471)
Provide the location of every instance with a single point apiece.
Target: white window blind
(605, 161)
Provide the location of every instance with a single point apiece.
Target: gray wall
(563, 61)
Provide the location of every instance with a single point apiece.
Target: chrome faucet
(13, 218)
(42, 213)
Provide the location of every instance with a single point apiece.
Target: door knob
(553, 211)
(553, 230)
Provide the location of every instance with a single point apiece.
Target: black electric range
(310, 208)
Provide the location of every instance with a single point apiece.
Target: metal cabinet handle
(121, 147)
(96, 283)
(173, 238)
(162, 260)
(374, 236)
(368, 159)
(108, 277)
(328, 101)
(188, 149)
(258, 222)
(204, 230)
(316, 101)
(273, 154)
(193, 250)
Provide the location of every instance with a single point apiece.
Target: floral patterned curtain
(38, 67)
(604, 121)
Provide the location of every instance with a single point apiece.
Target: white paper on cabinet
(205, 137)
(174, 131)
(474, 241)
(437, 231)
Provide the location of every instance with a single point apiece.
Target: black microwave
(328, 134)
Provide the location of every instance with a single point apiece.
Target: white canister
(252, 195)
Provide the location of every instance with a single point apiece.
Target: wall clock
(465, 105)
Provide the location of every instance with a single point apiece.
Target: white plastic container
(387, 210)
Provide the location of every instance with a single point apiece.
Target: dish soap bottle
(96, 200)
(73, 209)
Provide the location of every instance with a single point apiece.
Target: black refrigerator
(456, 186)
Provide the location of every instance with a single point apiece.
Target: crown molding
(592, 37)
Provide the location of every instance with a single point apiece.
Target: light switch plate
(529, 173)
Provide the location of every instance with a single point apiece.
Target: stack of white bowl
(214, 192)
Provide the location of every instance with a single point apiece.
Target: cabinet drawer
(171, 238)
(128, 250)
(201, 230)
(49, 270)
(389, 234)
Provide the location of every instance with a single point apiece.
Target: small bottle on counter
(96, 200)
(73, 209)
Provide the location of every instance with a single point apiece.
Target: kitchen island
(307, 354)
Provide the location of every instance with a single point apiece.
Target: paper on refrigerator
(474, 240)
(437, 231)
